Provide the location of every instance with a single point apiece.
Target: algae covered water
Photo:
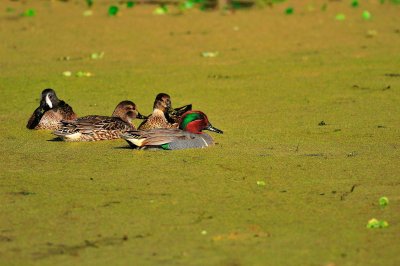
(309, 106)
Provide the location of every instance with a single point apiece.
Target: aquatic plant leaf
(366, 15)
(383, 201)
(113, 10)
(289, 10)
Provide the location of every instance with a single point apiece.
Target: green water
(274, 79)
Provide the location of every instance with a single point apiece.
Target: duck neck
(158, 112)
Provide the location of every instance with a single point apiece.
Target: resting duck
(188, 135)
(164, 116)
(50, 112)
(96, 127)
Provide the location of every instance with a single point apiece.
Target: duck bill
(140, 116)
(214, 129)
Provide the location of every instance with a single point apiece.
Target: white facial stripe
(49, 103)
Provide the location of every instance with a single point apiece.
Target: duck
(163, 115)
(50, 112)
(97, 127)
(188, 135)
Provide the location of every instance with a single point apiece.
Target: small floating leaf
(83, 74)
(97, 55)
(383, 201)
(113, 10)
(29, 13)
(89, 3)
(161, 10)
(366, 15)
(375, 223)
(209, 54)
(340, 17)
(67, 73)
(289, 10)
(261, 183)
(130, 4)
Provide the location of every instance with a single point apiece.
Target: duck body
(97, 127)
(188, 135)
(93, 128)
(50, 112)
(157, 119)
(167, 139)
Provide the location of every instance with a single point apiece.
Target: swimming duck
(164, 116)
(188, 135)
(50, 112)
(96, 127)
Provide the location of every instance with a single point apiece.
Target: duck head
(48, 99)
(127, 111)
(163, 103)
(195, 122)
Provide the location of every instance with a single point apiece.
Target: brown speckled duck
(50, 112)
(96, 127)
(164, 116)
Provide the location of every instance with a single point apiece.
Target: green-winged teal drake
(164, 116)
(50, 112)
(188, 135)
(96, 127)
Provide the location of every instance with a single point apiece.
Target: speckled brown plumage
(156, 120)
(95, 127)
(163, 116)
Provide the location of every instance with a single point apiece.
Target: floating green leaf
(261, 183)
(89, 3)
(113, 10)
(130, 4)
(29, 13)
(375, 223)
(289, 10)
(97, 55)
(354, 3)
(366, 15)
(383, 201)
(340, 17)
(161, 10)
(209, 54)
(67, 73)
(83, 74)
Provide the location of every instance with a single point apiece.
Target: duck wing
(154, 137)
(35, 117)
(92, 123)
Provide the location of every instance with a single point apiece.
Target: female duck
(164, 116)
(96, 127)
(189, 134)
(50, 112)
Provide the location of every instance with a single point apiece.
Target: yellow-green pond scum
(273, 80)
